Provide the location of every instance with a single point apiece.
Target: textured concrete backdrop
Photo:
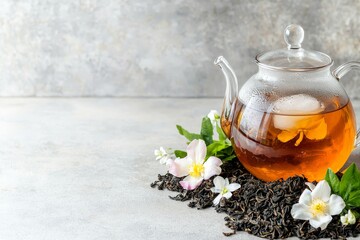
(157, 47)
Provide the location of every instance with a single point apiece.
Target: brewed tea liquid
(273, 146)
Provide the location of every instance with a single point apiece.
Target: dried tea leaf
(259, 208)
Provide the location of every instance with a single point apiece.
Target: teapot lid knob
(294, 36)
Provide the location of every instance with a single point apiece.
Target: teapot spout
(231, 94)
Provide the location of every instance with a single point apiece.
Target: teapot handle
(341, 71)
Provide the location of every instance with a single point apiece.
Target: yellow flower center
(224, 190)
(318, 207)
(196, 170)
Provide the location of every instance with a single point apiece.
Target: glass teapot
(292, 117)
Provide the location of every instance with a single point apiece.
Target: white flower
(194, 166)
(214, 117)
(318, 205)
(348, 218)
(224, 189)
(310, 185)
(163, 156)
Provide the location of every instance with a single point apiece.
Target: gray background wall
(158, 47)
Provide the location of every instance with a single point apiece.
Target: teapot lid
(294, 57)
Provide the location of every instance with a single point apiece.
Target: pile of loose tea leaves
(259, 208)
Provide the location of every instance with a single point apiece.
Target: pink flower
(194, 167)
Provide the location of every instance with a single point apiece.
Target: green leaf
(354, 199)
(229, 158)
(215, 147)
(222, 150)
(207, 131)
(333, 181)
(189, 136)
(180, 153)
(221, 133)
(356, 214)
(229, 150)
(350, 182)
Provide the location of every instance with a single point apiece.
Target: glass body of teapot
(292, 117)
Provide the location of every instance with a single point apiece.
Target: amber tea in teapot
(291, 118)
(292, 144)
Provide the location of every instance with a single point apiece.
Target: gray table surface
(80, 168)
